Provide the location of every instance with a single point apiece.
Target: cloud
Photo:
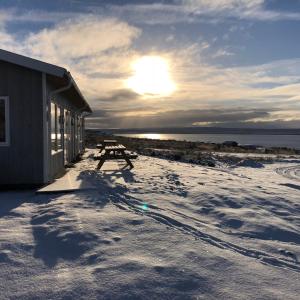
(175, 118)
(84, 37)
(222, 5)
(152, 14)
(170, 38)
(201, 87)
(166, 12)
(241, 9)
(189, 11)
(7, 40)
(222, 52)
(189, 118)
(120, 96)
(76, 37)
(270, 84)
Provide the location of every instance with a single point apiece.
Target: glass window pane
(53, 127)
(59, 126)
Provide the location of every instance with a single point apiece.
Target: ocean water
(290, 141)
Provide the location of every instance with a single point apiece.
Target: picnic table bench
(113, 153)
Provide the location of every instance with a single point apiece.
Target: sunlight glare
(151, 77)
(151, 136)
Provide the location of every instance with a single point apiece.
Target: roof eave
(40, 66)
(86, 107)
(32, 63)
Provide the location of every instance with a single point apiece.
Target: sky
(227, 63)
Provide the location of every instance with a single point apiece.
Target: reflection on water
(151, 136)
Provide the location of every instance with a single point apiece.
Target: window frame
(7, 122)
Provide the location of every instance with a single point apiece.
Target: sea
(263, 140)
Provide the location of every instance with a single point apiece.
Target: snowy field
(164, 230)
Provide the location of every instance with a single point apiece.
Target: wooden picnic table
(114, 153)
(105, 143)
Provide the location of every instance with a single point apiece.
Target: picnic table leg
(101, 162)
(127, 159)
(102, 148)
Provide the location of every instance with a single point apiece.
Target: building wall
(22, 161)
(58, 159)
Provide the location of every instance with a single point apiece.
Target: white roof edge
(31, 63)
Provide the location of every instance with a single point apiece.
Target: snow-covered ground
(164, 230)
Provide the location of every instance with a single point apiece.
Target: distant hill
(203, 130)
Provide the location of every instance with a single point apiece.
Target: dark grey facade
(41, 120)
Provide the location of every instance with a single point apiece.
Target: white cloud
(188, 11)
(84, 37)
(6, 39)
(201, 6)
(222, 52)
(241, 9)
(170, 38)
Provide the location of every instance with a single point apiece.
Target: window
(56, 127)
(67, 141)
(4, 121)
(80, 137)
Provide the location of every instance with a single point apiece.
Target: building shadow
(58, 236)
(10, 200)
(124, 172)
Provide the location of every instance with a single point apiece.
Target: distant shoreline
(200, 130)
(94, 137)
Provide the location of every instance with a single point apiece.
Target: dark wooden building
(41, 120)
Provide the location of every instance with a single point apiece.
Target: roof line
(40, 66)
(32, 63)
(79, 92)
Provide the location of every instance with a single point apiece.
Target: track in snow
(290, 172)
(156, 213)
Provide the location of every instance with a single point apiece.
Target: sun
(151, 77)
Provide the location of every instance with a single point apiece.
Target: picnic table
(105, 143)
(113, 153)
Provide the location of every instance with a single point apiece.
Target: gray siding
(22, 161)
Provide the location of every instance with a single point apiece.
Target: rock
(230, 144)
(250, 163)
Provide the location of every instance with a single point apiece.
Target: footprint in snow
(158, 269)
(136, 222)
(289, 254)
(94, 259)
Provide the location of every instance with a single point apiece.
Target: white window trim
(7, 122)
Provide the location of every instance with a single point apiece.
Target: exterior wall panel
(22, 161)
